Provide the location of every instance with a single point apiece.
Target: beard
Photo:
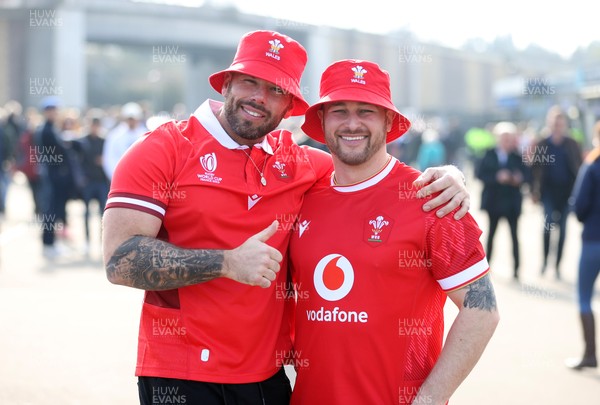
(355, 157)
(246, 129)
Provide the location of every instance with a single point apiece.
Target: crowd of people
(67, 155)
(64, 155)
(513, 161)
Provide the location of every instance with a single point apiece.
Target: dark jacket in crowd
(89, 149)
(587, 200)
(501, 199)
(555, 168)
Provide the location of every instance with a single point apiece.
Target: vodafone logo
(333, 277)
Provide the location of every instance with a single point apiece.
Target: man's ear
(389, 115)
(226, 82)
(288, 112)
(320, 115)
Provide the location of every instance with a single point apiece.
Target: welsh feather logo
(377, 226)
(209, 164)
(359, 74)
(280, 168)
(275, 47)
(377, 229)
(333, 277)
(284, 167)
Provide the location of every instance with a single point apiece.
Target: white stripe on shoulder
(135, 201)
(464, 276)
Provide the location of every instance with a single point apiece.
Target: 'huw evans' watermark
(44, 18)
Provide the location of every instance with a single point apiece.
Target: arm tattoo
(151, 264)
(480, 295)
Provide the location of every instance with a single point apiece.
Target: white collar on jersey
(208, 120)
(371, 181)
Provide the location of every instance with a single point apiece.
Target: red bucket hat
(270, 56)
(354, 80)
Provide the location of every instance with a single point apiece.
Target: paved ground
(69, 337)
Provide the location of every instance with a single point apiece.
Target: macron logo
(252, 200)
(302, 226)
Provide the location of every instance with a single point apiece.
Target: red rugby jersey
(372, 270)
(208, 195)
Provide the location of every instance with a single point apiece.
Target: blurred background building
(99, 53)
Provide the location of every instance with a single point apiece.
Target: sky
(560, 28)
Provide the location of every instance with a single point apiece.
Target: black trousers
(513, 223)
(273, 391)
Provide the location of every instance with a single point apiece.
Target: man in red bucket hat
(199, 215)
(372, 269)
(267, 55)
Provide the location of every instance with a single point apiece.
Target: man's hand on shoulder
(450, 182)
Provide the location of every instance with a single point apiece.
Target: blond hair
(595, 152)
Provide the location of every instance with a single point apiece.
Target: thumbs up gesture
(254, 262)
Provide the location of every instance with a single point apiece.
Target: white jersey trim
(135, 201)
(464, 276)
(206, 117)
(369, 182)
